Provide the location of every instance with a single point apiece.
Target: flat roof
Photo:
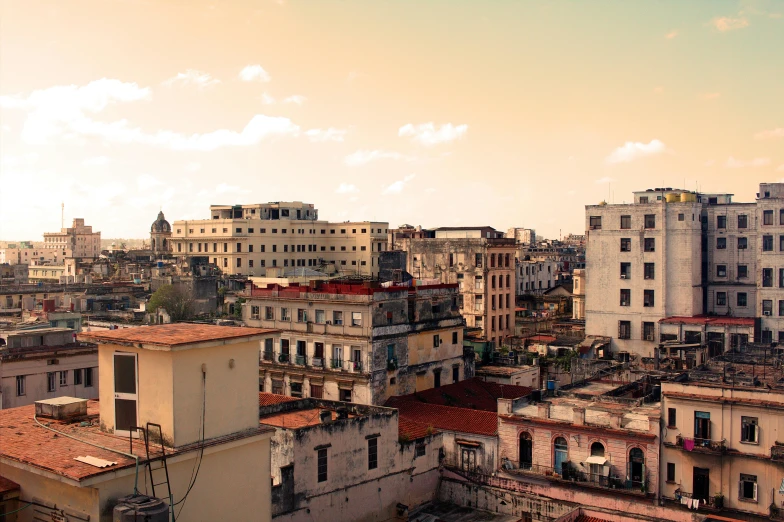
(296, 419)
(175, 334)
(709, 320)
(502, 370)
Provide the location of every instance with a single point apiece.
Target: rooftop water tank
(671, 197)
(688, 197)
(140, 507)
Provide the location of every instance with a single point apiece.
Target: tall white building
(78, 241)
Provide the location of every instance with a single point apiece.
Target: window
(626, 270)
(767, 307)
(302, 315)
(322, 465)
(743, 243)
(356, 318)
(650, 244)
(721, 298)
(742, 299)
(781, 313)
(743, 271)
(626, 244)
(721, 243)
(63, 378)
(296, 389)
(767, 217)
(345, 395)
(650, 220)
(670, 472)
(721, 270)
(50, 382)
(643, 199)
(478, 260)
(648, 331)
(372, 453)
(749, 430)
(681, 217)
(671, 418)
(337, 317)
(269, 313)
(455, 374)
(743, 221)
(624, 330)
(767, 277)
(284, 314)
(316, 391)
(767, 243)
(647, 298)
(254, 312)
(747, 489)
(595, 222)
(419, 449)
(626, 222)
(436, 341)
(721, 221)
(77, 377)
(626, 297)
(781, 216)
(20, 386)
(649, 269)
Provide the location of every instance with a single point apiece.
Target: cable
(199, 458)
(18, 510)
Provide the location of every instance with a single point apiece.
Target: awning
(596, 460)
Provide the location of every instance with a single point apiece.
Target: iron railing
(700, 444)
(570, 472)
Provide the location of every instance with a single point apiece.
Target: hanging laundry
(688, 444)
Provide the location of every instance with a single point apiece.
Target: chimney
(579, 417)
(544, 410)
(615, 420)
(504, 406)
(654, 423)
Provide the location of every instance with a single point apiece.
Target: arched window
(560, 454)
(597, 449)
(165, 245)
(637, 468)
(526, 450)
(152, 242)
(597, 463)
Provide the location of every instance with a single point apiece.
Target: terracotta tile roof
(297, 419)
(541, 338)
(175, 334)
(446, 418)
(25, 442)
(412, 430)
(500, 370)
(474, 394)
(712, 320)
(7, 486)
(268, 399)
(586, 518)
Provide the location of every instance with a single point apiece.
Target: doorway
(637, 467)
(526, 450)
(126, 394)
(701, 484)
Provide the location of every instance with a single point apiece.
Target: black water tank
(140, 508)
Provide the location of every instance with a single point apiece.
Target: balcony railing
(777, 453)
(283, 357)
(317, 362)
(267, 356)
(700, 444)
(300, 359)
(322, 363)
(572, 473)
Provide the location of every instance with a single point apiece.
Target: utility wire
(197, 464)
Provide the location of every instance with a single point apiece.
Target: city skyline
(392, 112)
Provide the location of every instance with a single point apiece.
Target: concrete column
(267, 382)
(306, 387)
(544, 410)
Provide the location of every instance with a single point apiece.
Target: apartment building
(357, 342)
(26, 254)
(192, 389)
(722, 443)
(525, 236)
(769, 272)
(246, 239)
(377, 468)
(643, 264)
(482, 262)
(45, 363)
(78, 241)
(578, 295)
(535, 275)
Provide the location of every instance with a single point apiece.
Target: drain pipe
(129, 455)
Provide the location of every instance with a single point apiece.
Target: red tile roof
(474, 394)
(712, 320)
(541, 338)
(26, 442)
(7, 486)
(297, 419)
(175, 334)
(586, 518)
(268, 399)
(445, 418)
(411, 430)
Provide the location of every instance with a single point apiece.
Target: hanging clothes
(688, 444)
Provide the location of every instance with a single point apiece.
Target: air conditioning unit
(329, 322)
(766, 312)
(649, 338)
(624, 276)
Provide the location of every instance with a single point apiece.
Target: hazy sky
(501, 113)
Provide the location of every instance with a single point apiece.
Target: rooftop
(174, 335)
(446, 418)
(267, 399)
(474, 394)
(412, 430)
(501, 371)
(298, 418)
(7, 486)
(28, 443)
(710, 320)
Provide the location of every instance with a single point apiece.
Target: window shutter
(756, 433)
(740, 489)
(755, 491)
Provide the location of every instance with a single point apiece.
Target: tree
(177, 302)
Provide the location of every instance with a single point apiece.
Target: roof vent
(61, 408)
(141, 507)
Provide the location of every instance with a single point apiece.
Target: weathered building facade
(78, 241)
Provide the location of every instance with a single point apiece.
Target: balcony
(317, 362)
(700, 445)
(267, 356)
(301, 360)
(283, 358)
(573, 474)
(777, 452)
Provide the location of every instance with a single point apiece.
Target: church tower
(160, 235)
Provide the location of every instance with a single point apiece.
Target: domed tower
(160, 235)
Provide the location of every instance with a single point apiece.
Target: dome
(160, 224)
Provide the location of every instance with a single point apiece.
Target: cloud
(296, 99)
(254, 73)
(225, 188)
(398, 186)
(362, 157)
(734, 163)
(770, 134)
(266, 99)
(604, 180)
(633, 150)
(6, 128)
(427, 134)
(96, 161)
(193, 166)
(346, 188)
(329, 134)
(711, 95)
(147, 181)
(202, 80)
(25, 160)
(672, 34)
(728, 23)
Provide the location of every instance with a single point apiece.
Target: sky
(427, 112)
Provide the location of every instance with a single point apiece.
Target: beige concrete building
(246, 239)
(482, 262)
(578, 294)
(722, 443)
(339, 461)
(524, 236)
(198, 383)
(26, 254)
(44, 363)
(769, 273)
(79, 241)
(535, 275)
(358, 343)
